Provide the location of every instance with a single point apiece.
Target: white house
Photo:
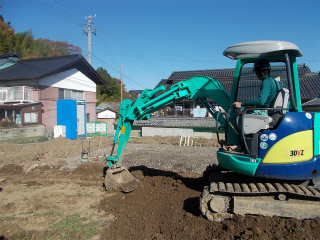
(29, 89)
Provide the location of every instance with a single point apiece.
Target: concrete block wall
(180, 132)
(164, 132)
(7, 134)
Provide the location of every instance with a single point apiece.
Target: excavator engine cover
(120, 179)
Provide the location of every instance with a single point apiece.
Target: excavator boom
(199, 88)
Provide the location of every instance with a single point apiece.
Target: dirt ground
(46, 192)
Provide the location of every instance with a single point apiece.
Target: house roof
(106, 109)
(200, 122)
(8, 55)
(229, 72)
(19, 104)
(313, 102)
(6, 60)
(135, 91)
(309, 82)
(114, 106)
(196, 122)
(310, 86)
(36, 68)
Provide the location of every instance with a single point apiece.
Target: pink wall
(36, 95)
(90, 98)
(48, 97)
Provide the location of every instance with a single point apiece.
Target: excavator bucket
(121, 179)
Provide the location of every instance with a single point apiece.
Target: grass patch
(299, 229)
(7, 219)
(72, 227)
(48, 214)
(9, 206)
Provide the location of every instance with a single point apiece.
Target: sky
(153, 38)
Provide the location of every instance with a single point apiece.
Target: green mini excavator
(277, 169)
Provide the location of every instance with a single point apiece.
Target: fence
(96, 129)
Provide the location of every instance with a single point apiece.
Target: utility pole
(121, 82)
(88, 31)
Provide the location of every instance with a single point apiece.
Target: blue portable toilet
(72, 114)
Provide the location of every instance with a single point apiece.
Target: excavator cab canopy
(256, 49)
(273, 51)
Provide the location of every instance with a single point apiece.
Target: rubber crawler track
(230, 184)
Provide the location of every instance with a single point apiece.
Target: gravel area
(163, 157)
(174, 158)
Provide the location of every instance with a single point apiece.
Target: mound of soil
(166, 206)
(39, 201)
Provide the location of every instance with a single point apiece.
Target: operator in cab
(268, 89)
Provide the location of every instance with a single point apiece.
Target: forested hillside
(27, 47)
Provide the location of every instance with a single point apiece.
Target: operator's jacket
(268, 91)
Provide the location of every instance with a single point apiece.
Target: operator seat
(253, 123)
(281, 101)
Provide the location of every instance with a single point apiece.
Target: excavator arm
(199, 88)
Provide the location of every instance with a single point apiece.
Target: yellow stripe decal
(123, 129)
(297, 147)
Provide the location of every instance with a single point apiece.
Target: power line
(70, 16)
(106, 29)
(52, 10)
(116, 70)
(117, 39)
(128, 48)
(75, 6)
(169, 59)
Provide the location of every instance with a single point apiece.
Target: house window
(16, 94)
(3, 94)
(61, 93)
(67, 94)
(30, 117)
(80, 95)
(10, 114)
(70, 94)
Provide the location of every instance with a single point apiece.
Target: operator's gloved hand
(237, 105)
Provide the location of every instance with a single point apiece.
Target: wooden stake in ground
(121, 83)
(99, 148)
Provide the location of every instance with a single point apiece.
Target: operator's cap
(261, 64)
